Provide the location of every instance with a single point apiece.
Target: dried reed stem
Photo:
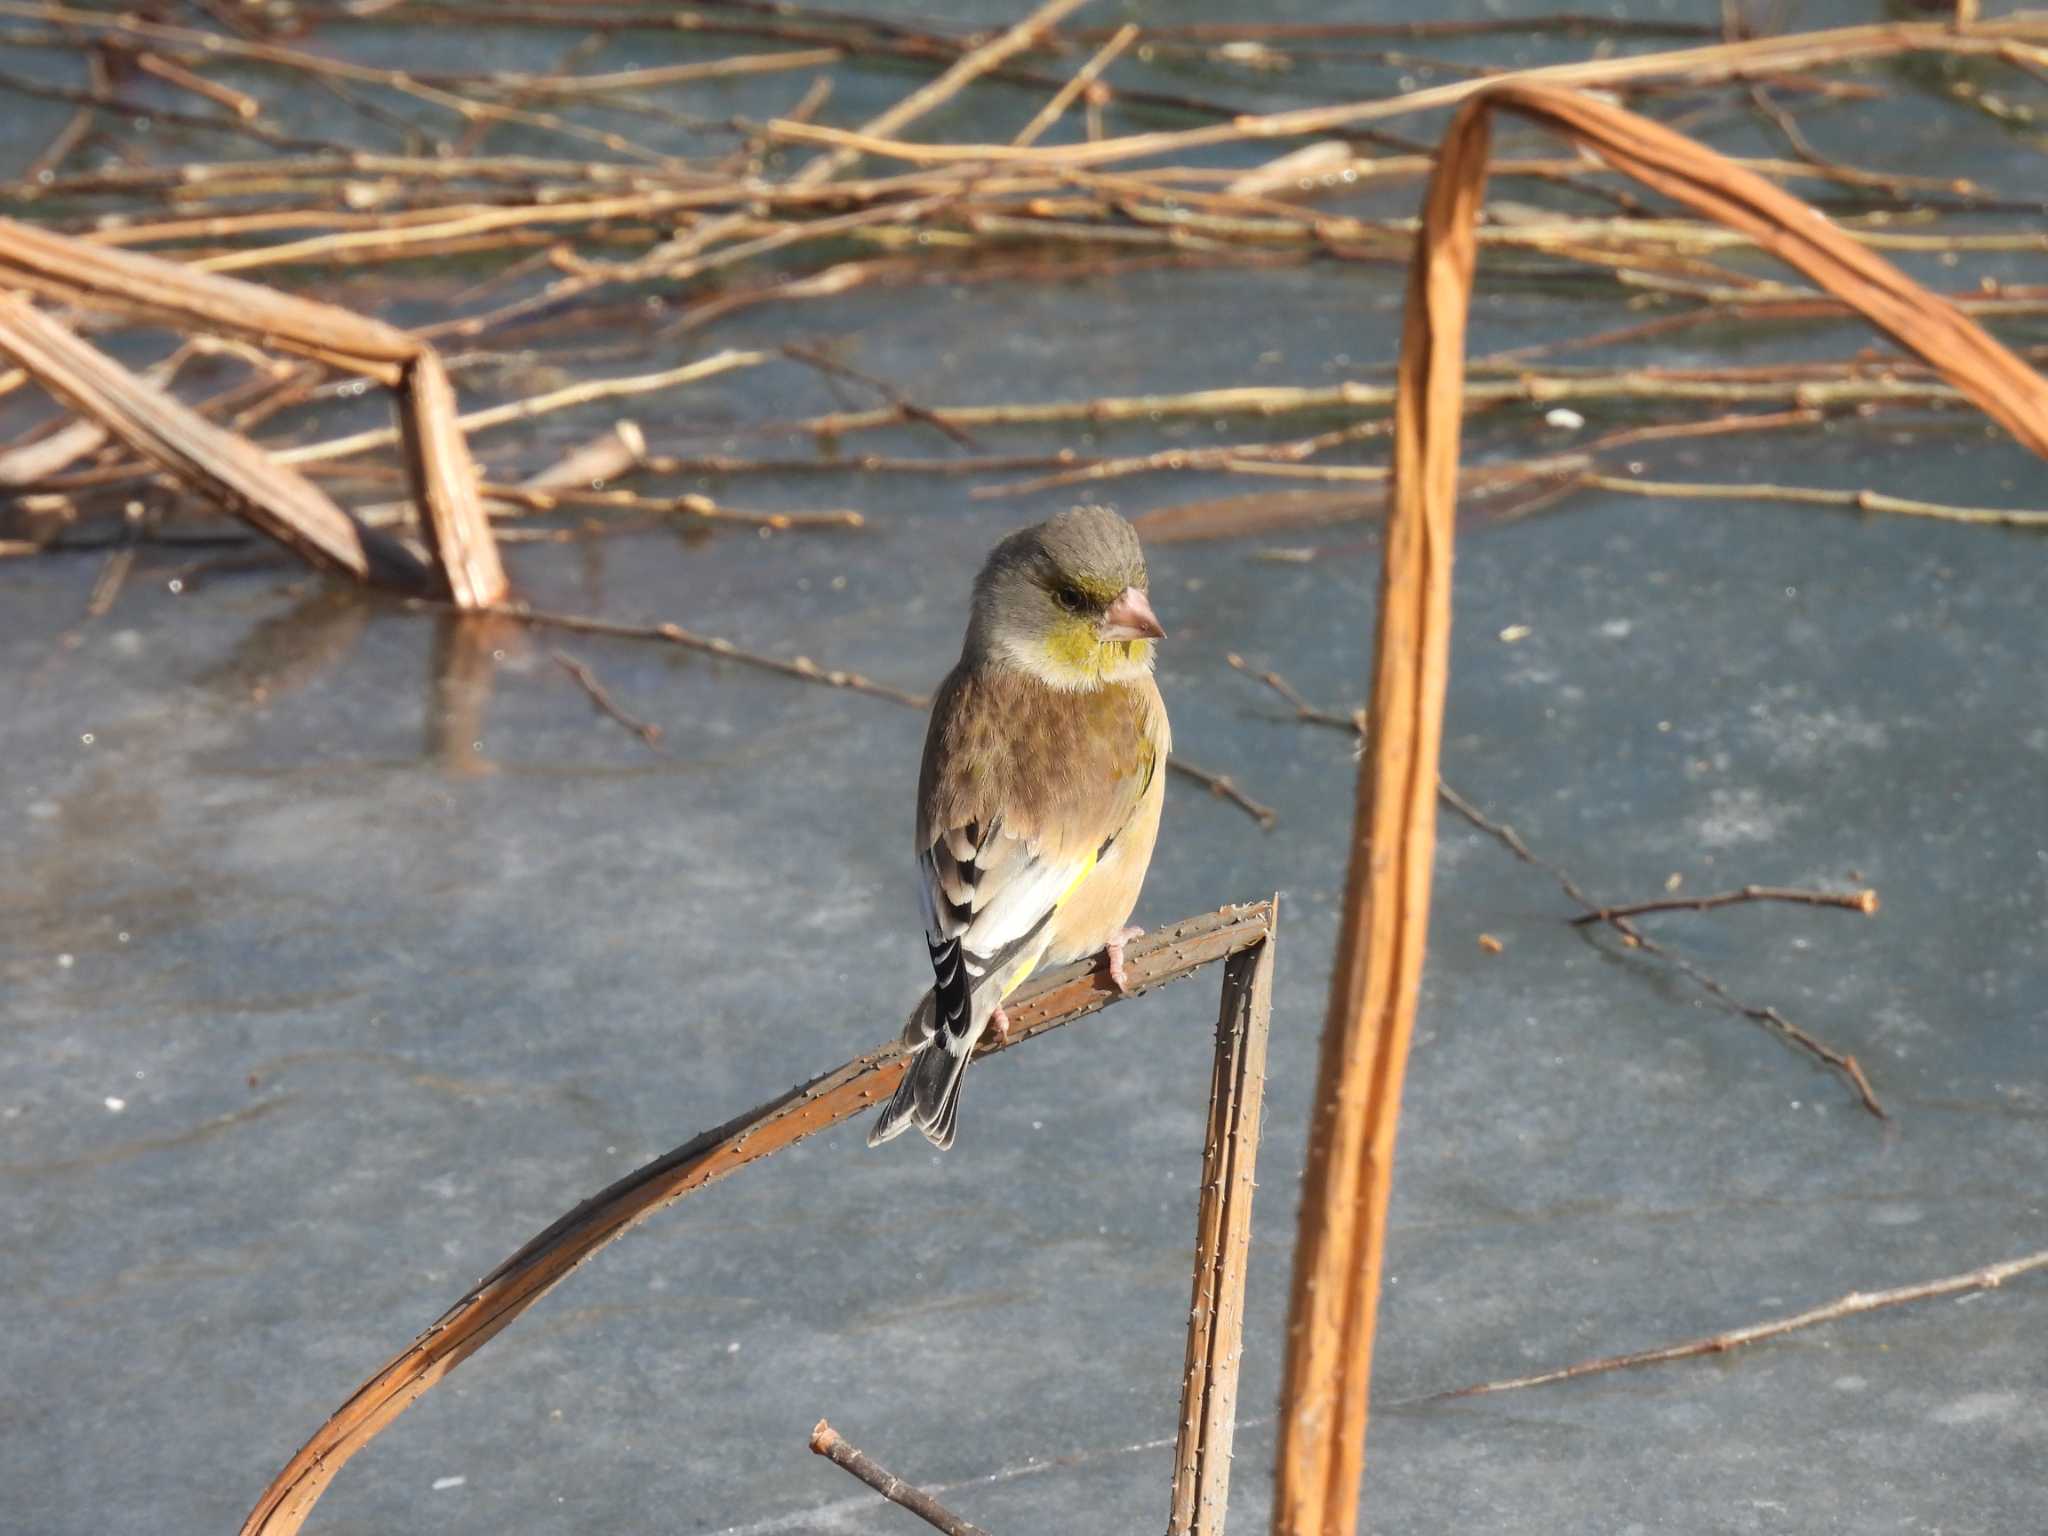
(583, 393)
(1349, 1176)
(1330, 1333)
(826, 1441)
(1223, 1236)
(1060, 997)
(1712, 65)
(1084, 77)
(232, 470)
(444, 479)
(228, 470)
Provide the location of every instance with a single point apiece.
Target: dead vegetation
(792, 211)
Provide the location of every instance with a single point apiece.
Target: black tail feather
(928, 1098)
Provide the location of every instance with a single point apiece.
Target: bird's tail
(928, 1097)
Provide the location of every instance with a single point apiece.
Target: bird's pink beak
(1130, 617)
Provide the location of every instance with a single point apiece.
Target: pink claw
(1114, 949)
(999, 1021)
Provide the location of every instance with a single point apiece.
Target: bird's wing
(1025, 791)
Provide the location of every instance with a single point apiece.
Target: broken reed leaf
(221, 466)
(256, 486)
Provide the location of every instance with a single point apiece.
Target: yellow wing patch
(1022, 973)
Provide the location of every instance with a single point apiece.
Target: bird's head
(1065, 601)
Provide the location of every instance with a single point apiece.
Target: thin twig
(1618, 917)
(910, 408)
(1353, 723)
(1223, 786)
(1861, 501)
(583, 393)
(1084, 77)
(826, 1442)
(1635, 938)
(651, 734)
(1989, 1278)
(1864, 901)
(710, 645)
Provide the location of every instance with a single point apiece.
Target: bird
(1039, 795)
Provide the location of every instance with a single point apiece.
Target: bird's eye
(1069, 598)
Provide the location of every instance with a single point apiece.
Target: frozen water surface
(344, 947)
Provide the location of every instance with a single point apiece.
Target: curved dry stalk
(1061, 997)
(1323, 1417)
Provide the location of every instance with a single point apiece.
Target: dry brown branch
(1979, 367)
(1695, 67)
(584, 392)
(1864, 901)
(825, 1440)
(228, 470)
(1839, 1061)
(911, 409)
(1805, 389)
(1989, 1278)
(1616, 917)
(1058, 998)
(710, 645)
(964, 70)
(1223, 1236)
(76, 127)
(171, 72)
(1311, 714)
(687, 505)
(1224, 787)
(317, 66)
(564, 85)
(1820, 496)
(40, 458)
(606, 704)
(1084, 77)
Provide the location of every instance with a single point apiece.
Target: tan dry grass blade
(149, 288)
(1372, 997)
(1386, 900)
(1710, 65)
(226, 468)
(438, 464)
(1059, 998)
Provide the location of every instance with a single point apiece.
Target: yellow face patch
(1078, 654)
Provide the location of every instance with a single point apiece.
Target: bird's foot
(999, 1021)
(1114, 949)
